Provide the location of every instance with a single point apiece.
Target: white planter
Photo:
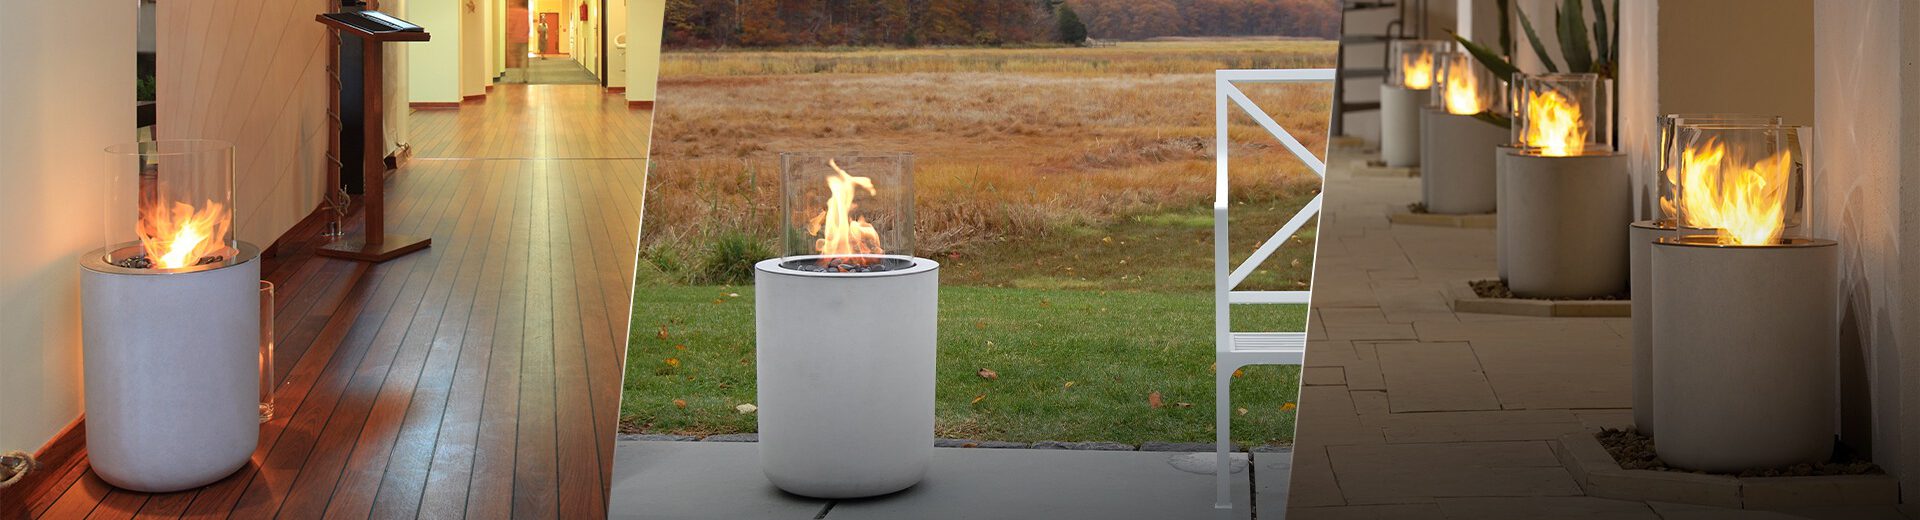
(1744, 358)
(1456, 168)
(1502, 159)
(1400, 125)
(172, 372)
(1567, 220)
(846, 367)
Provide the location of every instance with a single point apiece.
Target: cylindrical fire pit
(1400, 126)
(1456, 172)
(846, 366)
(1502, 164)
(1457, 164)
(847, 328)
(171, 322)
(1410, 74)
(1665, 184)
(1744, 363)
(1640, 237)
(1745, 319)
(1568, 218)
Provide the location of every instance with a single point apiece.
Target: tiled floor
(1411, 410)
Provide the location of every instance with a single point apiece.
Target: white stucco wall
(1868, 126)
(433, 67)
(61, 109)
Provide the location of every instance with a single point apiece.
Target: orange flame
(1745, 202)
(1553, 125)
(180, 237)
(1416, 70)
(841, 235)
(1463, 91)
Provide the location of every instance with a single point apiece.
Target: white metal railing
(1233, 351)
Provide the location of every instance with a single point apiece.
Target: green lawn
(1072, 365)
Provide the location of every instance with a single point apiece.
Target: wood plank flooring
(478, 378)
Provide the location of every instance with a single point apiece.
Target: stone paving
(1411, 410)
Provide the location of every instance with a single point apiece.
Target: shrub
(729, 259)
(1071, 30)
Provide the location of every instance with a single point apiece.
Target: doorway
(554, 42)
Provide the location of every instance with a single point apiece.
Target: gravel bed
(1635, 451)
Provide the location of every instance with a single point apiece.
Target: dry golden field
(1016, 149)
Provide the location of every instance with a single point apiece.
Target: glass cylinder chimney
(846, 212)
(1667, 163)
(1563, 114)
(1745, 183)
(1463, 87)
(1411, 62)
(169, 205)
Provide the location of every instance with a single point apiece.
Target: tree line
(771, 23)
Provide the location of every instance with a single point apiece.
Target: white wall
(644, 30)
(1867, 196)
(61, 108)
(393, 92)
(1740, 56)
(473, 50)
(433, 67)
(1639, 83)
(616, 56)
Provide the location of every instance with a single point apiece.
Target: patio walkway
(669, 480)
(1411, 410)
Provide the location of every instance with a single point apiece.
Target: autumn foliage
(776, 23)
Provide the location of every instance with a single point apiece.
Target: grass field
(1076, 176)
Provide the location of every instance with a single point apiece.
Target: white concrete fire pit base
(1744, 354)
(1400, 125)
(1640, 236)
(846, 366)
(172, 371)
(1456, 168)
(1567, 220)
(1502, 163)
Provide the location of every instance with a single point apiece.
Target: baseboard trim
(616, 90)
(62, 461)
(433, 105)
(473, 97)
(639, 105)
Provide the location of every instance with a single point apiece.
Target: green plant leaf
(1614, 58)
(1570, 23)
(1487, 58)
(1533, 38)
(1600, 39)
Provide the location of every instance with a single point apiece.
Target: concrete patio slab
(1053, 484)
(1398, 473)
(1427, 377)
(702, 480)
(669, 480)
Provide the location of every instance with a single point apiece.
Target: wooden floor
(477, 378)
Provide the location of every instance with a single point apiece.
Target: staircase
(1396, 29)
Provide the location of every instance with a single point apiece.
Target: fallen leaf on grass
(1183, 405)
(1241, 411)
(980, 324)
(1287, 407)
(988, 374)
(1068, 385)
(977, 398)
(679, 347)
(1153, 400)
(680, 403)
(1238, 373)
(663, 332)
(747, 408)
(673, 362)
(719, 300)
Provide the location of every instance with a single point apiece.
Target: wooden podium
(373, 243)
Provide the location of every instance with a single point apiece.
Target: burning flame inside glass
(1745, 201)
(182, 235)
(1416, 70)
(1553, 124)
(844, 239)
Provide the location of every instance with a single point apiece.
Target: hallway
(469, 379)
(552, 70)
